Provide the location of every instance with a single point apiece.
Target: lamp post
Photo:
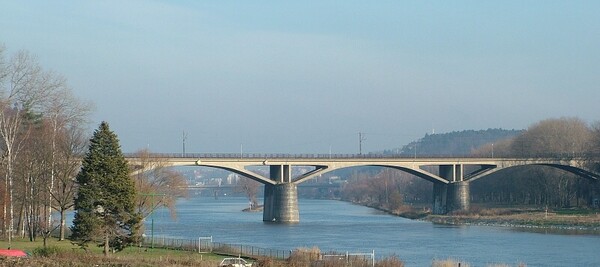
(152, 195)
(415, 147)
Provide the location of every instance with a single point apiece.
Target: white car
(234, 262)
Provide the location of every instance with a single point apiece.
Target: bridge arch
(234, 168)
(578, 171)
(248, 174)
(320, 170)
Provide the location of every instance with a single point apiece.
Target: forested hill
(454, 143)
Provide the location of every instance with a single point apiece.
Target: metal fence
(206, 245)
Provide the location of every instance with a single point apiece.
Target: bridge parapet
(359, 156)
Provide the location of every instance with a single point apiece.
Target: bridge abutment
(281, 200)
(454, 196)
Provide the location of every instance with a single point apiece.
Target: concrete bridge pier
(454, 196)
(281, 199)
(459, 196)
(440, 198)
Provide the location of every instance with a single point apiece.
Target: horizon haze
(289, 77)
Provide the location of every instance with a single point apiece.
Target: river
(339, 226)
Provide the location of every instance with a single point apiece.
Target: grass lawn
(71, 255)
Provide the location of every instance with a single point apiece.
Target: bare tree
(65, 114)
(158, 186)
(501, 148)
(563, 137)
(554, 137)
(569, 137)
(31, 172)
(71, 145)
(250, 188)
(594, 149)
(24, 88)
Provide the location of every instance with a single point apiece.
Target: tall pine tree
(105, 203)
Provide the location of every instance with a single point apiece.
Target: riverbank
(525, 219)
(575, 221)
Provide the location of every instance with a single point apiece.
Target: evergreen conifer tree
(104, 206)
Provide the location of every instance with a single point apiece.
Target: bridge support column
(454, 196)
(440, 197)
(459, 196)
(281, 200)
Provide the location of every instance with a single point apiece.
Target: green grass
(28, 246)
(63, 252)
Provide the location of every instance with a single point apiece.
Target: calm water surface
(340, 226)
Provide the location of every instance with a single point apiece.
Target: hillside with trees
(455, 143)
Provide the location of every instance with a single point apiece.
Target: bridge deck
(323, 163)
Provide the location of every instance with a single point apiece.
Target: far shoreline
(516, 218)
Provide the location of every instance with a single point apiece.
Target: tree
(594, 158)
(64, 113)
(250, 188)
(553, 137)
(594, 149)
(105, 203)
(29, 188)
(563, 137)
(37, 113)
(157, 185)
(23, 88)
(70, 146)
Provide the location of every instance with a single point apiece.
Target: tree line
(527, 185)
(540, 185)
(455, 143)
(43, 139)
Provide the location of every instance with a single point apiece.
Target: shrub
(47, 251)
(448, 263)
(303, 256)
(392, 261)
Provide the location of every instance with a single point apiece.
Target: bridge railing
(563, 155)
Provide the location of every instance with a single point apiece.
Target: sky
(309, 76)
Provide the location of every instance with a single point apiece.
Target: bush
(448, 263)
(265, 262)
(392, 261)
(303, 256)
(46, 251)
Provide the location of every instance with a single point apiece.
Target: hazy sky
(307, 77)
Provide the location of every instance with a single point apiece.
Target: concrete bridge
(450, 175)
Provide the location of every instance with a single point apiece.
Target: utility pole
(361, 138)
(183, 138)
(151, 214)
